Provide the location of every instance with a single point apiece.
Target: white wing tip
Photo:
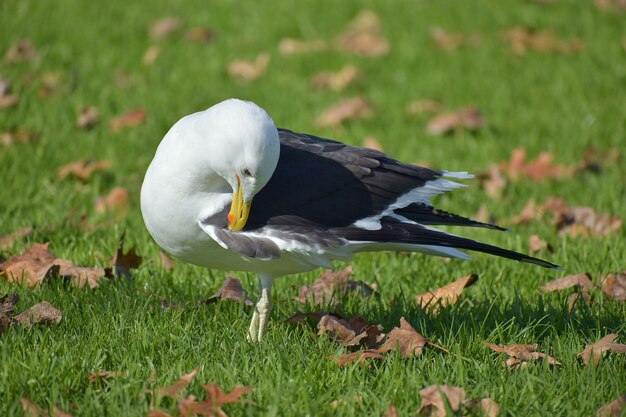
(460, 175)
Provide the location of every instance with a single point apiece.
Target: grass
(542, 101)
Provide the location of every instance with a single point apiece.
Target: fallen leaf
(168, 263)
(31, 409)
(610, 5)
(231, 290)
(57, 412)
(405, 339)
(348, 109)
(158, 413)
(522, 39)
(33, 266)
(249, 70)
(21, 51)
(483, 215)
(87, 118)
(7, 303)
(336, 81)
(94, 377)
(581, 221)
(51, 83)
(435, 398)
(151, 55)
(493, 182)
(42, 312)
(6, 241)
(115, 201)
(289, 46)
(614, 285)
(360, 356)
(537, 170)
(122, 263)
(6, 98)
(453, 40)
(79, 276)
(83, 169)
(363, 36)
(487, 407)
(373, 143)
(521, 354)
(594, 351)
(331, 284)
(354, 331)
(446, 295)
(467, 119)
(582, 280)
(301, 318)
(529, 213)
(613, 409)
(200, 34)
(173, 391)
(212, 406)
(392, 411)
(128, 119)
(165, 27)
(17, 136)
(423, 106)
(536, 244)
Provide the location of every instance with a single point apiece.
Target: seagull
(228, 190)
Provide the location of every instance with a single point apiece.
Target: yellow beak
(239, 211)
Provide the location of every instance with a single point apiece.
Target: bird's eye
(247, 172)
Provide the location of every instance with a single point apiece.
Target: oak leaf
(437, 398)
(42, 312)
(360, 356)
(33, 266)
(594, 351)
(521, 354)
(173, 390)
(404, 338)
(446, 295)
(331, 285)
(354, 331)
(583, 280)
(348, 109)
(231, 290)
(614, 286)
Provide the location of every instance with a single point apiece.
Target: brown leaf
(423, 106)
(43, 312)
(165, 27)
(83, 169)
(614, 285)
(158, 413)
(289, 46)
(301, 318)
(581, 221)
(435, 397)
(529, 213)
(583, 280)
(594, 351)
(122, 263)
(354, 331)
(610, 5)
(231, 290)
(537, 170)
(487, 407)
(34, 265)
(212, 406)
(613, 409)
(168, 263)
(151, 55)
(115, 201)
(7, 303)
(521, 354)
(87, 118)
(21, 51)
(349, 109)
(31, 409)
(80, 275)
(173, 391)
(493, 181)
(405, 339)
(51, 83)
(536, 244)
(330, 285)
(17, 136)
(6, 98)
(446, 295)
(336, 81)
(129, 119)
(200, 34)
(363, 36)
(373, 143)
(452, 40)
(249, 70)
(392, 411)
(94, 377)
(522, 39)
(360, 356)
(6, 241)
(56, 412)
(468, 119)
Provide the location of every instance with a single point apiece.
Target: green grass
(544, 102)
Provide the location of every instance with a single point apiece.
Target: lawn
(89, 54)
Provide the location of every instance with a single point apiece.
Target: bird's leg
(261, 314)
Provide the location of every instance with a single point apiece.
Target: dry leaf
(537, 170)
(331, 284)
(354, 331)
(87, 118)
(360, 356)
(151, 55)
(522, 39)
(521, 354)
(594, 351)
(392, 411)
(231, 290)
(446, 295)
(614, 286)
(32, 410)
(6, 241)
(98, 376)
(129, 119)
(165, 27)
(613, 409)
(581, 221)
(199, 34)
(21, 51)
(173, 391)
(115, 201)
(16, 136)
(610, 5)
(348, 109)
(405, 339)
(34, 265)
(158, 413)
(487, 406)
(301, 318)
(452, 40)
(43, 312)
(493, 181)
(529, 213)
(7, 303)
(122, 263)
(51, 83)
(582, 280)
(56, 412)
(363, 36)
(79, 276)
(289, 46)
(6, 98)
(83, 169)
(433, 399)
(249, 71)
(336, 81)
(168, 263)
(423, 106)
(468, 119)
(536, 244)
(373, 143)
